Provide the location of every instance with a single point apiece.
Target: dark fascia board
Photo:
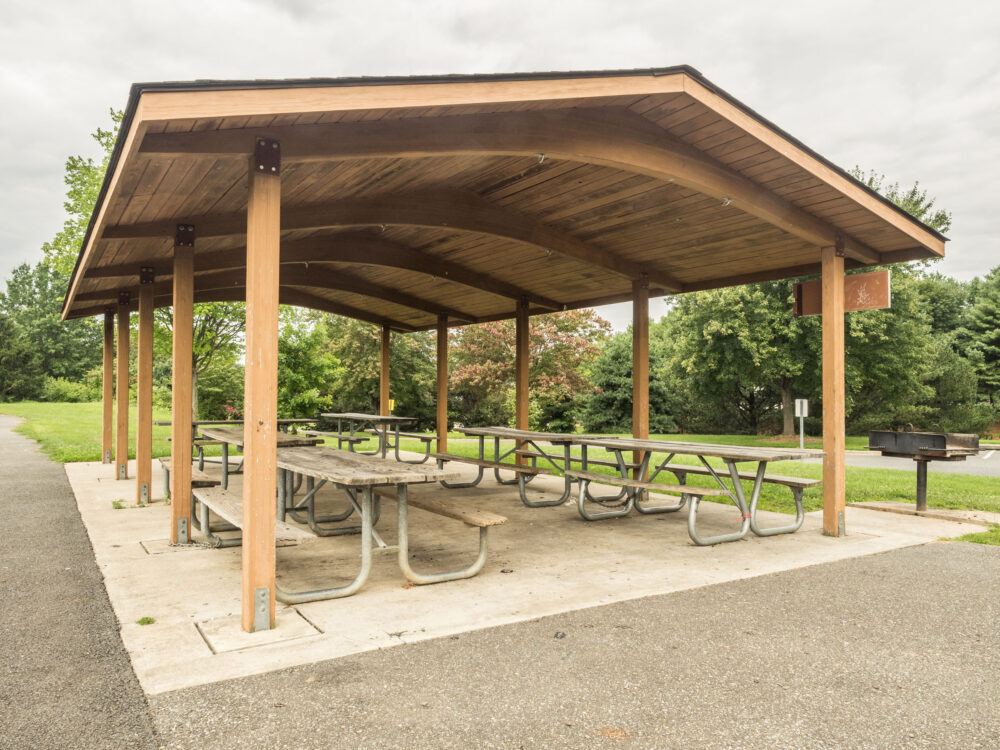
(138, 89)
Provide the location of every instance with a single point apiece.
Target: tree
(914, 200)
(982, 334)
(20, 372)
(609, 408)
(306, 368)
(33, 302)
(561, 348)
(34, 295)
(217, 339)
(742, 352)
(356, 346)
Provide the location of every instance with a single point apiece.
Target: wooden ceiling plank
(617, 139)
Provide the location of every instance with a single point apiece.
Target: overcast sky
(909, 89)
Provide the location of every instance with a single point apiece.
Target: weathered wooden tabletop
(367, 417)
(732, 452)
(509, 433)
(355, 469)
(234, 436)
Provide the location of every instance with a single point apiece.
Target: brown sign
(862, 291)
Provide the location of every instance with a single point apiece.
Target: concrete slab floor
(543, 561)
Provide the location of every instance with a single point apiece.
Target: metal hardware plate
(266, 156)
(184, 236)
(261, 609)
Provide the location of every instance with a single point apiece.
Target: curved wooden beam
(293, 276)
(613, 138)
(446, 209)
(348, 247)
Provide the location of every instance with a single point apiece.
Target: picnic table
(526, 447)
(379, 425)
(363, 478)
(731, 456)
(229, 435)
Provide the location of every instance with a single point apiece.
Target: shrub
(68, 391)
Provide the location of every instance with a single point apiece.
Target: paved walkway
(65, 679)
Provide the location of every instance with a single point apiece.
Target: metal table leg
(479, 474)
(336, 592)
(738, 498)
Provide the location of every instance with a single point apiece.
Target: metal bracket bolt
(182, 531)
(184, 236)
(146, 274)
(261, 609)
(267, 156)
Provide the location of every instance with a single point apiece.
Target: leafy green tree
(609, 408)
(742, 353)
(356, 346)
(913, 200)
(945, 300)
(33, 302)
(306, 370)
(217, 344)
(20, 371)
(982, 334)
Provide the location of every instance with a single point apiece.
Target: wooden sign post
(862, 291)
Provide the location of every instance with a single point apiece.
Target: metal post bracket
(266, 156)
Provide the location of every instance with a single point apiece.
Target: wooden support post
(180, 403)
(640, 365)
(834, 437)
(121, 441)
(108, 385)
(260, 406)
(383, 372)
(522, 337)
(144, 392)
(442, 383)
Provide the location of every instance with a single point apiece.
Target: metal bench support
(404, 548)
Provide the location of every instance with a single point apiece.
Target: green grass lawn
(72, 432)
(990, 536)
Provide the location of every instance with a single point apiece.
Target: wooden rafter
(451, 209)
(349, 247)
(316, 277)
(613, 138)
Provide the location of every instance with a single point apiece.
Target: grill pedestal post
(921, 484)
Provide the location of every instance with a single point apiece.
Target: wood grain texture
(122, 394)
(442, 383)
(260, 404)
(522, 364)
(144, 396)
(640, 365)
(385, 344)
(357, 470)
(834, 428)
(229, 507)
(180, 402)
(108, 388)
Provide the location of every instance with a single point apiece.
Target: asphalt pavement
(65, 678)
(894, 650)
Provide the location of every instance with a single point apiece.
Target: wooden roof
(405, 199)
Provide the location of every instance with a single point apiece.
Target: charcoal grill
(923, 447)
